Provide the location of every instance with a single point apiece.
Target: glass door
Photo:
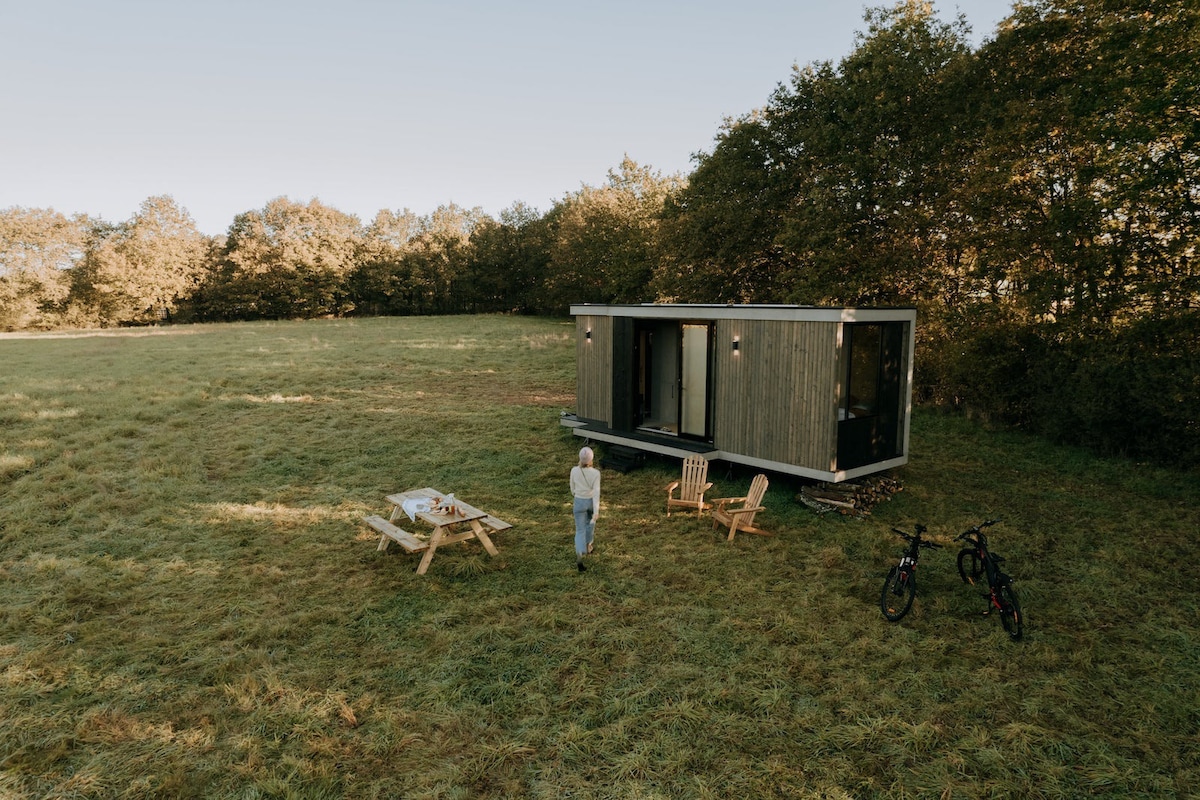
(693, 394)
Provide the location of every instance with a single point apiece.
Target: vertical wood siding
(594, 368)
(776, 397)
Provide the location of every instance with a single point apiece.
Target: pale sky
(373, 104)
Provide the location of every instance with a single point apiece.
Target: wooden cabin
(823, 393)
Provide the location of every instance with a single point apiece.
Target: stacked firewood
(852, 498)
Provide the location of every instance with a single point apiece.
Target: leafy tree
(439, 257)
(1037, 199)
(409, 264)
(719, 230)
(830, 193)
(1082, 183)
(139, 271)
(287, 260)
(869, 144)
(604, 240)
(379, 282)
(1077, 201)
(509, 261)
(38, 248)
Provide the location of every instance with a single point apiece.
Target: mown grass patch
(193, 608)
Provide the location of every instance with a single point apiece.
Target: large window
(861, 398)
(871, 409)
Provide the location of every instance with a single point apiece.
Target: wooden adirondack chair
(741, 518)
(691, 486)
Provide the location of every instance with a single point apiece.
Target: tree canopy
(139, 271)
(38, 248)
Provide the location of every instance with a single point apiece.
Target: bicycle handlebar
(917, 538)
(975, 530)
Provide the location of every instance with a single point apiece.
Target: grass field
(190, 605)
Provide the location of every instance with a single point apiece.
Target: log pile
(852, 498)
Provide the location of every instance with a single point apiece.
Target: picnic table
(463, 523)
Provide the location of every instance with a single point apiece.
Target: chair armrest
(724, 501)
(737, 511)
(672, 486)
(705, 488)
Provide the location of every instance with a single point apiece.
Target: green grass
(192, 607)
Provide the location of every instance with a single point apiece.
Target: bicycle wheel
(899, 589)
(1010, 610)
(969, 565)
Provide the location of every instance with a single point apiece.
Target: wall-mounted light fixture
(736, 344)
(588, 335)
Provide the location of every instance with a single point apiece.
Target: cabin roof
(710, 311)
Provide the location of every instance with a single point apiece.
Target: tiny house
(822, 393)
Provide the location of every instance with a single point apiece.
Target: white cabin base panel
(665, 449)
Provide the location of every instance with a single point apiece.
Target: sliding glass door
(693, 395)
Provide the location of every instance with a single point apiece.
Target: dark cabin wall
(776, 397)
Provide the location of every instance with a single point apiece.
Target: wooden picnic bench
(448, 527)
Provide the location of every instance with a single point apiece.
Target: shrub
(1133, 391)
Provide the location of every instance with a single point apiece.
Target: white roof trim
(752, 312)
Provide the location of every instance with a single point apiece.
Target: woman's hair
(585, 457)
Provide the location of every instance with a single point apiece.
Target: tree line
(293, 260)
(1036, 198)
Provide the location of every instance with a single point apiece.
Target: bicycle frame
(900, 585)
(1001, 594)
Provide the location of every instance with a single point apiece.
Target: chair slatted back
(758, 487)
(695, 476)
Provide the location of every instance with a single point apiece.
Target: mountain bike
(900, 586)
(976, 560)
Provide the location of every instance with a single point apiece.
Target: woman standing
(585, 487)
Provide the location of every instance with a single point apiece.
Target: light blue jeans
(585, 525)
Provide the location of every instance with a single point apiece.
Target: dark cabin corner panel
(623, 361)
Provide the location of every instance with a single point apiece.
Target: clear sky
(372, 104)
